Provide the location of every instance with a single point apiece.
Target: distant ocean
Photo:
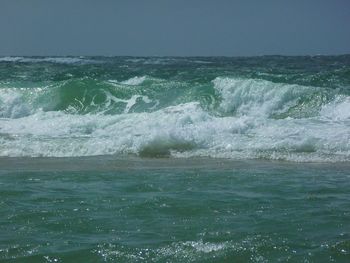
(171, 159)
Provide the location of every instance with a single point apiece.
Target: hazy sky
(177, 27)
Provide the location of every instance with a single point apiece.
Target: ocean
(175, 159)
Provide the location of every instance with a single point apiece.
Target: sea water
(126, 159)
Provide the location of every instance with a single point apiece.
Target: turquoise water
(276, 108)
(131, 159)
(103, 209)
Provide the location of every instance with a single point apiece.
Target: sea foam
(58, 60)
(254, 119)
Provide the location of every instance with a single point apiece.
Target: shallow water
(125, 159)
(105, 209)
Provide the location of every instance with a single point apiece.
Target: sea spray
(181, 107)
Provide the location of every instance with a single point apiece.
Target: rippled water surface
(161, 210)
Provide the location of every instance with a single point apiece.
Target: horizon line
(181, 56)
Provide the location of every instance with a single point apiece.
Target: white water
(130, 82)
(186, 130)
(59, 60)
(134, 81)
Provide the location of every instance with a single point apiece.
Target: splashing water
(218, 107)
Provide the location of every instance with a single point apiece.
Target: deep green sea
(168, 159)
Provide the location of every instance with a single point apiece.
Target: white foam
(129, 102)
(12, 104)
(10, 59)
(187, 251)
(182, 131)
(186, 130)
(134, 81)
(59, 60)
(337, 110)
(256, 97)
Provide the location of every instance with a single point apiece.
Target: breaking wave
(238, 118)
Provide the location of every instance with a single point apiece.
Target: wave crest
(263, 98)
(253, 119)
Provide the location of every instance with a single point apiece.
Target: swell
(222, 96)
(93, 96)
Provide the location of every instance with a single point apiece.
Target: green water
(165, 159)
(104, 209)
(275, 108)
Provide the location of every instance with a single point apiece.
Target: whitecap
(187, 130)
(134, 81)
